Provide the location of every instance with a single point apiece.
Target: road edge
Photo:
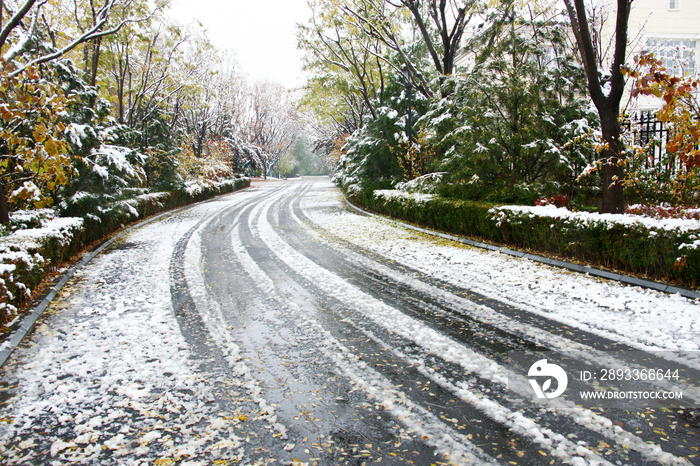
(585, 269)
(30, 319)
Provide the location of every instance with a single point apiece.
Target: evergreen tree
(505, 129)
(103, 160)
(372, 153)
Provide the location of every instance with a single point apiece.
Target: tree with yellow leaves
(681, 115)
(33, 146)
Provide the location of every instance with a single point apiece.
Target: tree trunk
(606, 93)
(95, 60)
(201, 136)
(4, 211)
(612, 173)
(120, 79)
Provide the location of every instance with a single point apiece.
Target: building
(671, 30)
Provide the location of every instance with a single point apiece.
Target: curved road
(252, 329)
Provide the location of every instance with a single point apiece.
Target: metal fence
(645, 130)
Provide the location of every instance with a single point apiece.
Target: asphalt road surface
(247, 330)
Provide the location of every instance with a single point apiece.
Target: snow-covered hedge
(504, 213)
(38, 242)
(390, 194)
(661, 249)
(113, 217)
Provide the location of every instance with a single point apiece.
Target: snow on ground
(433, 342)
(110, 370)
(642, 318)
(415, 418)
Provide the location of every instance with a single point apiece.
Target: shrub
(38, 245)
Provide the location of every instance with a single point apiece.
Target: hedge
(670, 254)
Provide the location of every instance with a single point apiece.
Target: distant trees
(270, 122)
(101, 100)
(310, 162)
(210, 107)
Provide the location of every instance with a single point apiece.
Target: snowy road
(275, 326)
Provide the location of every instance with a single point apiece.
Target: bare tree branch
(94, 32)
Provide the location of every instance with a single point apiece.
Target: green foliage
(506, 131)
(368, 162)
(462, 217)
(160, 146)
(287, 165)
(310, 162)
(102, 164)
(652, 252)
(416, 157)
(370, 158)
(493, 189)
(138, 206)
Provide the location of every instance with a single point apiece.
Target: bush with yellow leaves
(34, 157)
(213, 167)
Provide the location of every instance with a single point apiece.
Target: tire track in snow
(663, 419)
(388, 317)
(358, 369)
(595, 422)
(213, 347)
(514, 331)
(195, 313)
(553, 442)
(261, 343)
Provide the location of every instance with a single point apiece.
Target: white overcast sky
(260, 32)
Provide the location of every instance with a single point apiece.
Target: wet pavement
(241, 331)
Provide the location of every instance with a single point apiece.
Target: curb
(627, 280)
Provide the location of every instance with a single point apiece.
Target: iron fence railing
(645, 130)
